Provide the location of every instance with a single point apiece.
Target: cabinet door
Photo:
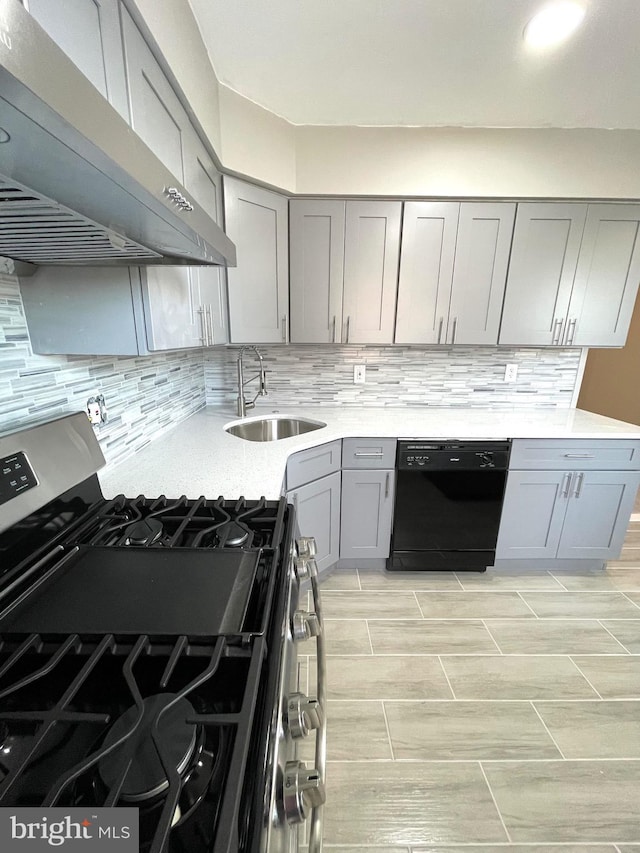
(157, 116)
(209, 284)
(426, 271)
(371, 252)
(600, 504)
(532, 514)
(88, 31)
(544, 255)
(606, 281)
(316, 269)
(367, 513)
(318, 511)
(480, 272)
(171, 319)
(256, 221)
(84, 311)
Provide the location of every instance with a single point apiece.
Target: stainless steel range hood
(77, 185)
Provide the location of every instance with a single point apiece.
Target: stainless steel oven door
(297, 790)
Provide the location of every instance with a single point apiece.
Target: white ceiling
(425, 62)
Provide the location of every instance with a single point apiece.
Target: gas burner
(233, 534)
(146, 777)
(145, 531)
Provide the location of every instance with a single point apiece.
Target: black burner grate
(52, 748)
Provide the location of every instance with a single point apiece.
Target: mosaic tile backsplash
(145, 396)
(397, 376)
(148, 395)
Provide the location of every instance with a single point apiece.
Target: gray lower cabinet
(566, 514)
(88, 31)
(367, 513)
(317, 507)
(453, 271)
(257, 222)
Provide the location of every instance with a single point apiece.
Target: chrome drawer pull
(378, 454)
(579, 456)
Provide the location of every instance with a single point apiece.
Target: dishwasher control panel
(450, 455)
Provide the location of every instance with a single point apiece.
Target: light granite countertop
(197, 457)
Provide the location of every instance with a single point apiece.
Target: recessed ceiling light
(553, 24)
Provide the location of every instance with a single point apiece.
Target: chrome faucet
(243, 404)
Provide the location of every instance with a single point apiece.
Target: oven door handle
(317, 820)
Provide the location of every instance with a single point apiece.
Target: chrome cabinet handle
(348, 328)
(571, 331)
(579, 456)
(455, 326)
(315, 833)
(210, 324)
(566, 485)
(557, 330)
(440, 325)
(284, 328)
(386, 486)
(377, 454)
(203, 326)
(578, 487)
(334, 330)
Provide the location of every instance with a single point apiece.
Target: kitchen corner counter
(197, 457)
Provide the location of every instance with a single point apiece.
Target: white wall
(495, 162)
(256, 142)
(536, 163)
(173, 26)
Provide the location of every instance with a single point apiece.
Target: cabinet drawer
(578, 455)
(309, 465)
(369, 453)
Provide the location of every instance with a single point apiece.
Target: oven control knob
(303, 715)
(305, 568)
(305, 625)
(307, 546)
(303, 791)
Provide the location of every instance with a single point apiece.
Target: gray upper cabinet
(157, 116)
(170, 308)
(257, 222)
(88, 311)
(607, 276)
(88, 31)
(426, 271)
(573, 275)
(109, 310)
(371, 254)
(316, 269)
(208, 284)
(453, 271)
(544, 256)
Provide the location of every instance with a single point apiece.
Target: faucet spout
(261, 376)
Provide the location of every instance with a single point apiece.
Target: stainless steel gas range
(149, 654)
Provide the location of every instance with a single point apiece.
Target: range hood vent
(37, 230)
(77, 185)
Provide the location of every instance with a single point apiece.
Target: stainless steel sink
(272, 429)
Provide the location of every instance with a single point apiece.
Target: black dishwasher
(448, 503)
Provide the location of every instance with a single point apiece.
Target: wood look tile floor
(483, 713)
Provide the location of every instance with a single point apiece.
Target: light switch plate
(359, 374)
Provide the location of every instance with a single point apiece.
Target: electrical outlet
(511, 373)
(359, 374)
(97, 409)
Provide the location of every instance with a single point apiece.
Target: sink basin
(273, 428)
